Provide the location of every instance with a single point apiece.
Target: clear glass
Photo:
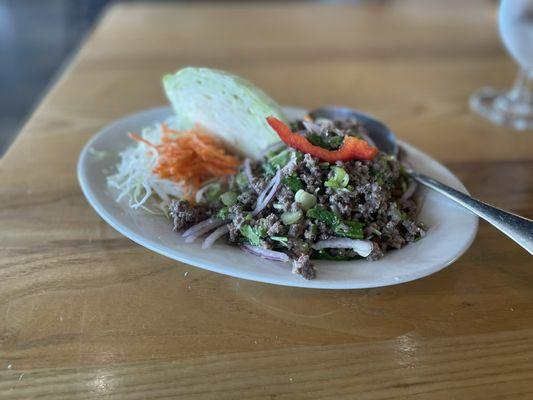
(512, 107)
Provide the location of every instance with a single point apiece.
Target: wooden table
(84, 312)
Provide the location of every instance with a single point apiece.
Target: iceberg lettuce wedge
(224, 104)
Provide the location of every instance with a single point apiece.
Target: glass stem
(522, 90)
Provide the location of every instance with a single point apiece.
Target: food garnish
(190, 157)
(351, 148)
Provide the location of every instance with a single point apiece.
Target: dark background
(36, 38)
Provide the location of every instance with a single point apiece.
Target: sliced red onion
(272, 147)
(361, 247)
(411, 189)
(213, 236)
(265, 198)
(262, 195)
(249, 175)
(198, 226)
(265, 253)
(202, 227)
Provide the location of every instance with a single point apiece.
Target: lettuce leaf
(226, 105)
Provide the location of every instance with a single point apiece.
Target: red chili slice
(352, 148)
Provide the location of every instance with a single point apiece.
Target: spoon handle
(518, 228)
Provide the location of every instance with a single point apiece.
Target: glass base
(499, 107)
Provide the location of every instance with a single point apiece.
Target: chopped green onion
(228, 198)
(213, 191)
(281, 239)
(242, 180)
(388, 157)
(339, 180)
(305, 199)
(291, 217)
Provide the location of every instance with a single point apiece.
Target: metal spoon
(518, 228)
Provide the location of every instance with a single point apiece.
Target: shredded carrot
(191, 157)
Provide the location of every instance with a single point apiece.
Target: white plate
(451, 228)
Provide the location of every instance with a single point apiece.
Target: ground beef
(234, 232)
(259, 184)
(342, 201)
(290, 167)
(413, 230)
(310, 232)
(377, 251)
(184, 214)
(247, 198)
(238, 215)
(391, 235)
(372, 198)
(296, 230)
(302, 266)
(284, 198)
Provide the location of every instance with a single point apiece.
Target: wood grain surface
(85, 313)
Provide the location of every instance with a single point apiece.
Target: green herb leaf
(352, 230)
(330, 143)
(268, 169)
(223, 213)
(293, 182)
(252, 234)
(328, 217)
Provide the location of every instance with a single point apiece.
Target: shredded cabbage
(135, 180)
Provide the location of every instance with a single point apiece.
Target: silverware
(518, 228)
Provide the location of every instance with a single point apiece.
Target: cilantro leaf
(293, 182)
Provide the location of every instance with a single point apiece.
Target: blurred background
(37, 37)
